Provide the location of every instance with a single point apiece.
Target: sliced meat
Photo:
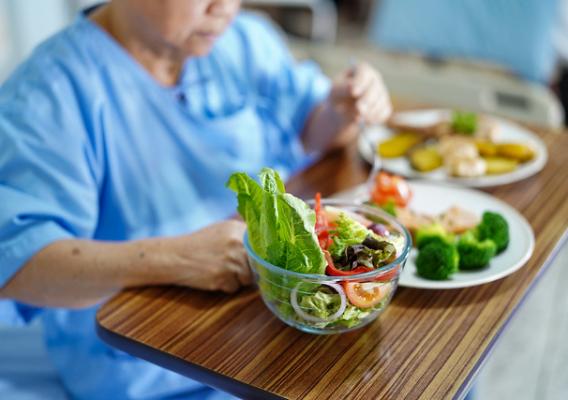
(458, 220)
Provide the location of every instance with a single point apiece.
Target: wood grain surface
(428, 344)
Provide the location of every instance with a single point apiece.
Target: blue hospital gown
(91, 146)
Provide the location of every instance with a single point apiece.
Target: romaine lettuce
(281, 227)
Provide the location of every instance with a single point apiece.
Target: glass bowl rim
(329, 278)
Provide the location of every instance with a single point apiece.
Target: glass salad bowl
(325, 304)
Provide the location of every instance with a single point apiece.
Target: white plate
(434, 199)
(508, 131)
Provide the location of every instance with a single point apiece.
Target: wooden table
(428, 344)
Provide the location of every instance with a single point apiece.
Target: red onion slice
(311, 318)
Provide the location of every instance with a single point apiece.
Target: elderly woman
(116, 139)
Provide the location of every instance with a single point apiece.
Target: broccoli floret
(473, 253)
(432, 233)
(464, 122)
(494, 227)
(437, 260)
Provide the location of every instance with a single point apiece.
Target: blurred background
(504, 57)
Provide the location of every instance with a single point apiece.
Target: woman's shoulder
(61, 61)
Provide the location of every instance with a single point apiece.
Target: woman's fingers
(244, 273)
(361, 95)
(230, 284)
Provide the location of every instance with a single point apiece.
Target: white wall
(26, 23)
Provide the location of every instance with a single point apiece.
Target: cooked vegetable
(280, 226)
(426, 159)
(516, 151)
(464, 122)
(494, 227)
(432, 233)
(499, 165)
(466, 167)
(398, 145)
(486, 148)
(475, 254)
(437, 260)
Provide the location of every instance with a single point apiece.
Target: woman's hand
(357, 96)
(212, 258)
(76, 273)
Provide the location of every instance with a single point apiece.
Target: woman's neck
(162, 62)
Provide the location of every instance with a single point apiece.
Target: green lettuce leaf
(281, 227)
(321, 304)
(347, 232)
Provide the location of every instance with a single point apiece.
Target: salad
(309, 261)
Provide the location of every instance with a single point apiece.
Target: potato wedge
(516, 151)
(425, 158)
(500, 165)
(398, 145)
(486, 148)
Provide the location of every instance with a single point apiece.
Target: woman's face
(186, 26)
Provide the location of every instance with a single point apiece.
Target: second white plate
(509, 131)
(433, 199)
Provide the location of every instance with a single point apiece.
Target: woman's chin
(200, 50)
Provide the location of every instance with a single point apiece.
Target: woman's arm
(80, 273)
(357, 96)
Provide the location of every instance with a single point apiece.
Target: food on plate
(461, 123)
(399, 144)
(437, 260)
(466, 145)
(461, 156)
(466, 167)
(440, 253)
(392, 193)
(475, 253)
(426, 158)
(390, 190)
(458, 220)
(456, 239)
(432, 233)
(494, 227)
(486, 148)
(499, 165)
(515, 151)
(287, 233)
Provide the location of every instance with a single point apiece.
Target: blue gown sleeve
(290, 90)
(48, 169)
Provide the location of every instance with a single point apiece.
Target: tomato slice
(331, 270)
(390, 188)
(366, 294)
(322, 224)
(389, 275)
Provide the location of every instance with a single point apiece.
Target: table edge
(183, 367)
(470, 379)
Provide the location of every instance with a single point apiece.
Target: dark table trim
(190, 370)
